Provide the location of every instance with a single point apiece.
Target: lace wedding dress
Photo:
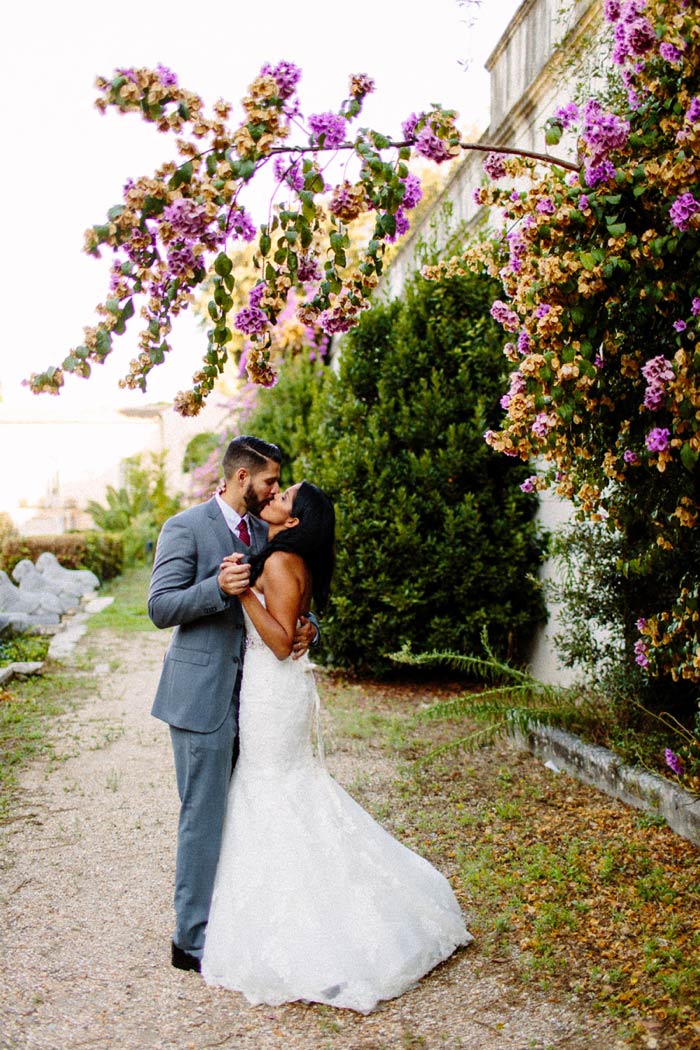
(313, 900)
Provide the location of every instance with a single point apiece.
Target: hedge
(101, 552)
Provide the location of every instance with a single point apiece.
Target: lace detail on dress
(313, 899)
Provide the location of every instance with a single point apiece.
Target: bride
(313, 900)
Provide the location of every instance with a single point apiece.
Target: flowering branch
(172, 232)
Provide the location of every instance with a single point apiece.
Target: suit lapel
(224, 537)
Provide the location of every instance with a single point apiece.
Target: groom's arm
(174, 597)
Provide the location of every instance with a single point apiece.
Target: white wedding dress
(313, 900)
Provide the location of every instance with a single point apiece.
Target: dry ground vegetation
(585, 913)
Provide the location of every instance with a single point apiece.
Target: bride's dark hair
(313, 538)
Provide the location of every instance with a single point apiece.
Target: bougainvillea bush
(600, 271)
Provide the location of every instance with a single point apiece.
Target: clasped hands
(234, 580)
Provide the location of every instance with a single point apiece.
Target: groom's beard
(252, 501)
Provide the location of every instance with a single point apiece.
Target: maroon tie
(243, 531)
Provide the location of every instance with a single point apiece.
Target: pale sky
(64, 165)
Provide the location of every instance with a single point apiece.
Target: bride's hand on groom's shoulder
(234, 575)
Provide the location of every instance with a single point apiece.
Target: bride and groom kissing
(285, 888)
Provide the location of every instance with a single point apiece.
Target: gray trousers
(203, 766)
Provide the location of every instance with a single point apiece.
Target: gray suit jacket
(206, 651)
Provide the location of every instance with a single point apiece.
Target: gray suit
(198, 694)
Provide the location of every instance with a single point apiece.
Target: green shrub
(436, 541)
(282, 414)
(100, 552)
(199, 449)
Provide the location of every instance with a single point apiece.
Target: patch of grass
(569, 889)
(26, 713)
(29, 648)
(128, 612)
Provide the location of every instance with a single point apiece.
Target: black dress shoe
(183, 960)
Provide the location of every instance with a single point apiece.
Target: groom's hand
(234, 576)
(304, 637)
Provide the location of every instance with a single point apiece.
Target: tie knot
(243, 531)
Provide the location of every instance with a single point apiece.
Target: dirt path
(85, 912)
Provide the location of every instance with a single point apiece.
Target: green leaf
(115, 212)
(222, 264)
(689, 457)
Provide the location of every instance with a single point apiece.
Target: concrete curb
(604, 770)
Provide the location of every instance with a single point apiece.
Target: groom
(199, 686)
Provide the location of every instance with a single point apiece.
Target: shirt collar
(231, 516)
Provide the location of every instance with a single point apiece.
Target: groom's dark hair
(251, 453)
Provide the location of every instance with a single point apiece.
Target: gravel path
(86, 869)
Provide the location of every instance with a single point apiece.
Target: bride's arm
(283, 584)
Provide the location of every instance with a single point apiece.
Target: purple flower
(567, 115)
(640, 36)
(658, 370)
(328, 126)
(505, 316)
(673, 761)
(545, 206)
(495, 166)
(188, 219)
(529, 484)
(241, 224)
(289, 173)
(408, 127)
(602, 131)
(256, 294)
(630, 457)
(583, 202)
(597, 173)
(403, 225)
(641, 623)
(680, 325)
(181, 260)
(287, 76)
(683, 209)
(542, 310)
(335, 321)
(640, 653)
(542, 424)
(429, 145)
(633, 99)
(523, 342)
(308, 269)
(669, 53)
(251, 320)
(412, 192)
(612, 10)
(692, 114)
(695, 306)
(657, 439)
(166, 76)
